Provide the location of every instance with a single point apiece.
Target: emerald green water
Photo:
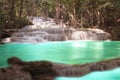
(70, 52)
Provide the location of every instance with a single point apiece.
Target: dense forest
(103, 14)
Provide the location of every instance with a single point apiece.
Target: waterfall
(45, 29)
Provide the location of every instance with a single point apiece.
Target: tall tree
(21, 8)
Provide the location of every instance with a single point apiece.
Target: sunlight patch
(78, 45)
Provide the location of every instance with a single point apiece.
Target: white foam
(46, 30)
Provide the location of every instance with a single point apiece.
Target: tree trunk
(74, 13)
(33, 8)
(12, 9)
(98, 19)
(21, 8)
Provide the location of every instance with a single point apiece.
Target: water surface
(68, 52)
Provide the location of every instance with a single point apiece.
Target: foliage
(9, 17)
(77, 13)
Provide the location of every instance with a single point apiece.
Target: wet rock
(4, 34)
(46, 30)
(14, 73)
(35, 68)
(40, 69)
(45, 70)
(43, 77)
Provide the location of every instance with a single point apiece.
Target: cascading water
(45, 29)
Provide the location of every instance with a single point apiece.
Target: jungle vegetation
(103, 14)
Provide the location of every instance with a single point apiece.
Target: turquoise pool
(68, 52)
